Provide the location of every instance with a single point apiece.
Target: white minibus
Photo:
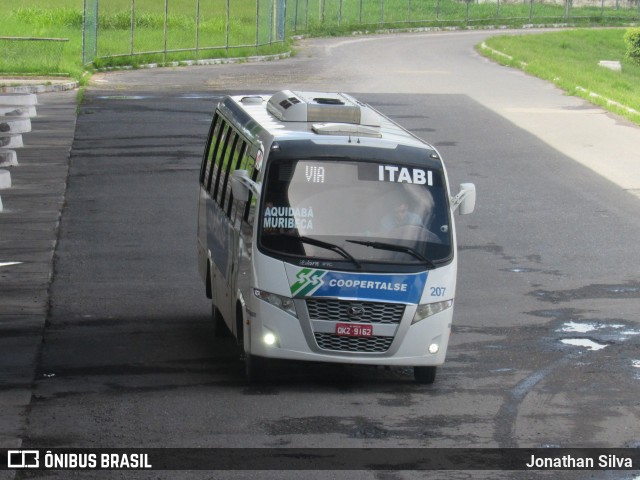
(326, 234)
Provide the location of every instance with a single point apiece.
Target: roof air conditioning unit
(288, 106)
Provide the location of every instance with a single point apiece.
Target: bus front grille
(349, 311)
(375, 344)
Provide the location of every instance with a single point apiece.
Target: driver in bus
(401, 216)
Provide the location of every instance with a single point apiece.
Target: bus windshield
(355, 211)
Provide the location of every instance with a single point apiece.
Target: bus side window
(218, 136)
(206, 158)
(209, 156)
(231, 204)
(225, 189)
(220, 158)
(249, 164)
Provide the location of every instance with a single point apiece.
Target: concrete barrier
(5, 179)
(11, 141)
(16, 111)
(13, 125)
(19, 99)
(614, 65)
(8, 158)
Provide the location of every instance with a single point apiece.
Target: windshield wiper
(322, 244)
(396, 248)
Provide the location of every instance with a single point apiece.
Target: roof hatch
(289, 106)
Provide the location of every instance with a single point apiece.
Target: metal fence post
(270, 23)
(84, 32)
(257, 24)
(89, 31)
(283, 22)
(197, 28)
(133, 24)
(166, 25)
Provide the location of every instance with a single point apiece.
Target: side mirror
(242, 185)
(465, 200)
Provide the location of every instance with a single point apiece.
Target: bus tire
(424, 375)
(219, 327)
(255, 368)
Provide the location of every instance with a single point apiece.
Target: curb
(37, 86)
(608, 101)
(484, 46)
(586, 93)
(212, 61)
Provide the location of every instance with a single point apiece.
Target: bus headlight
(428, 309)
(283, 303)
(269, 339)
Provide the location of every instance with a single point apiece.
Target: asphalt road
(546, 342)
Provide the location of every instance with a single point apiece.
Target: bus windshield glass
(355, 211)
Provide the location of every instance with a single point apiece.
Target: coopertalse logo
(23, 459)
(310, 282)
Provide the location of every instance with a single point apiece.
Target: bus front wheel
(254, 368)
(220, 328)
(426, 375)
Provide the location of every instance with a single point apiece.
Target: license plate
(354, 330)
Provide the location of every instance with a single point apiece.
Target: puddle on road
(502, 370)
(623, 289)
(583, 342)
(521, 270)
(9, 264)
(200, 96)
(628, 290)
(607, 332)
(531, 270)
(578, 327)
(123, 97)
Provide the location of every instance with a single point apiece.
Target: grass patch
(570, 60)
(192, 33)
(197, 30)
